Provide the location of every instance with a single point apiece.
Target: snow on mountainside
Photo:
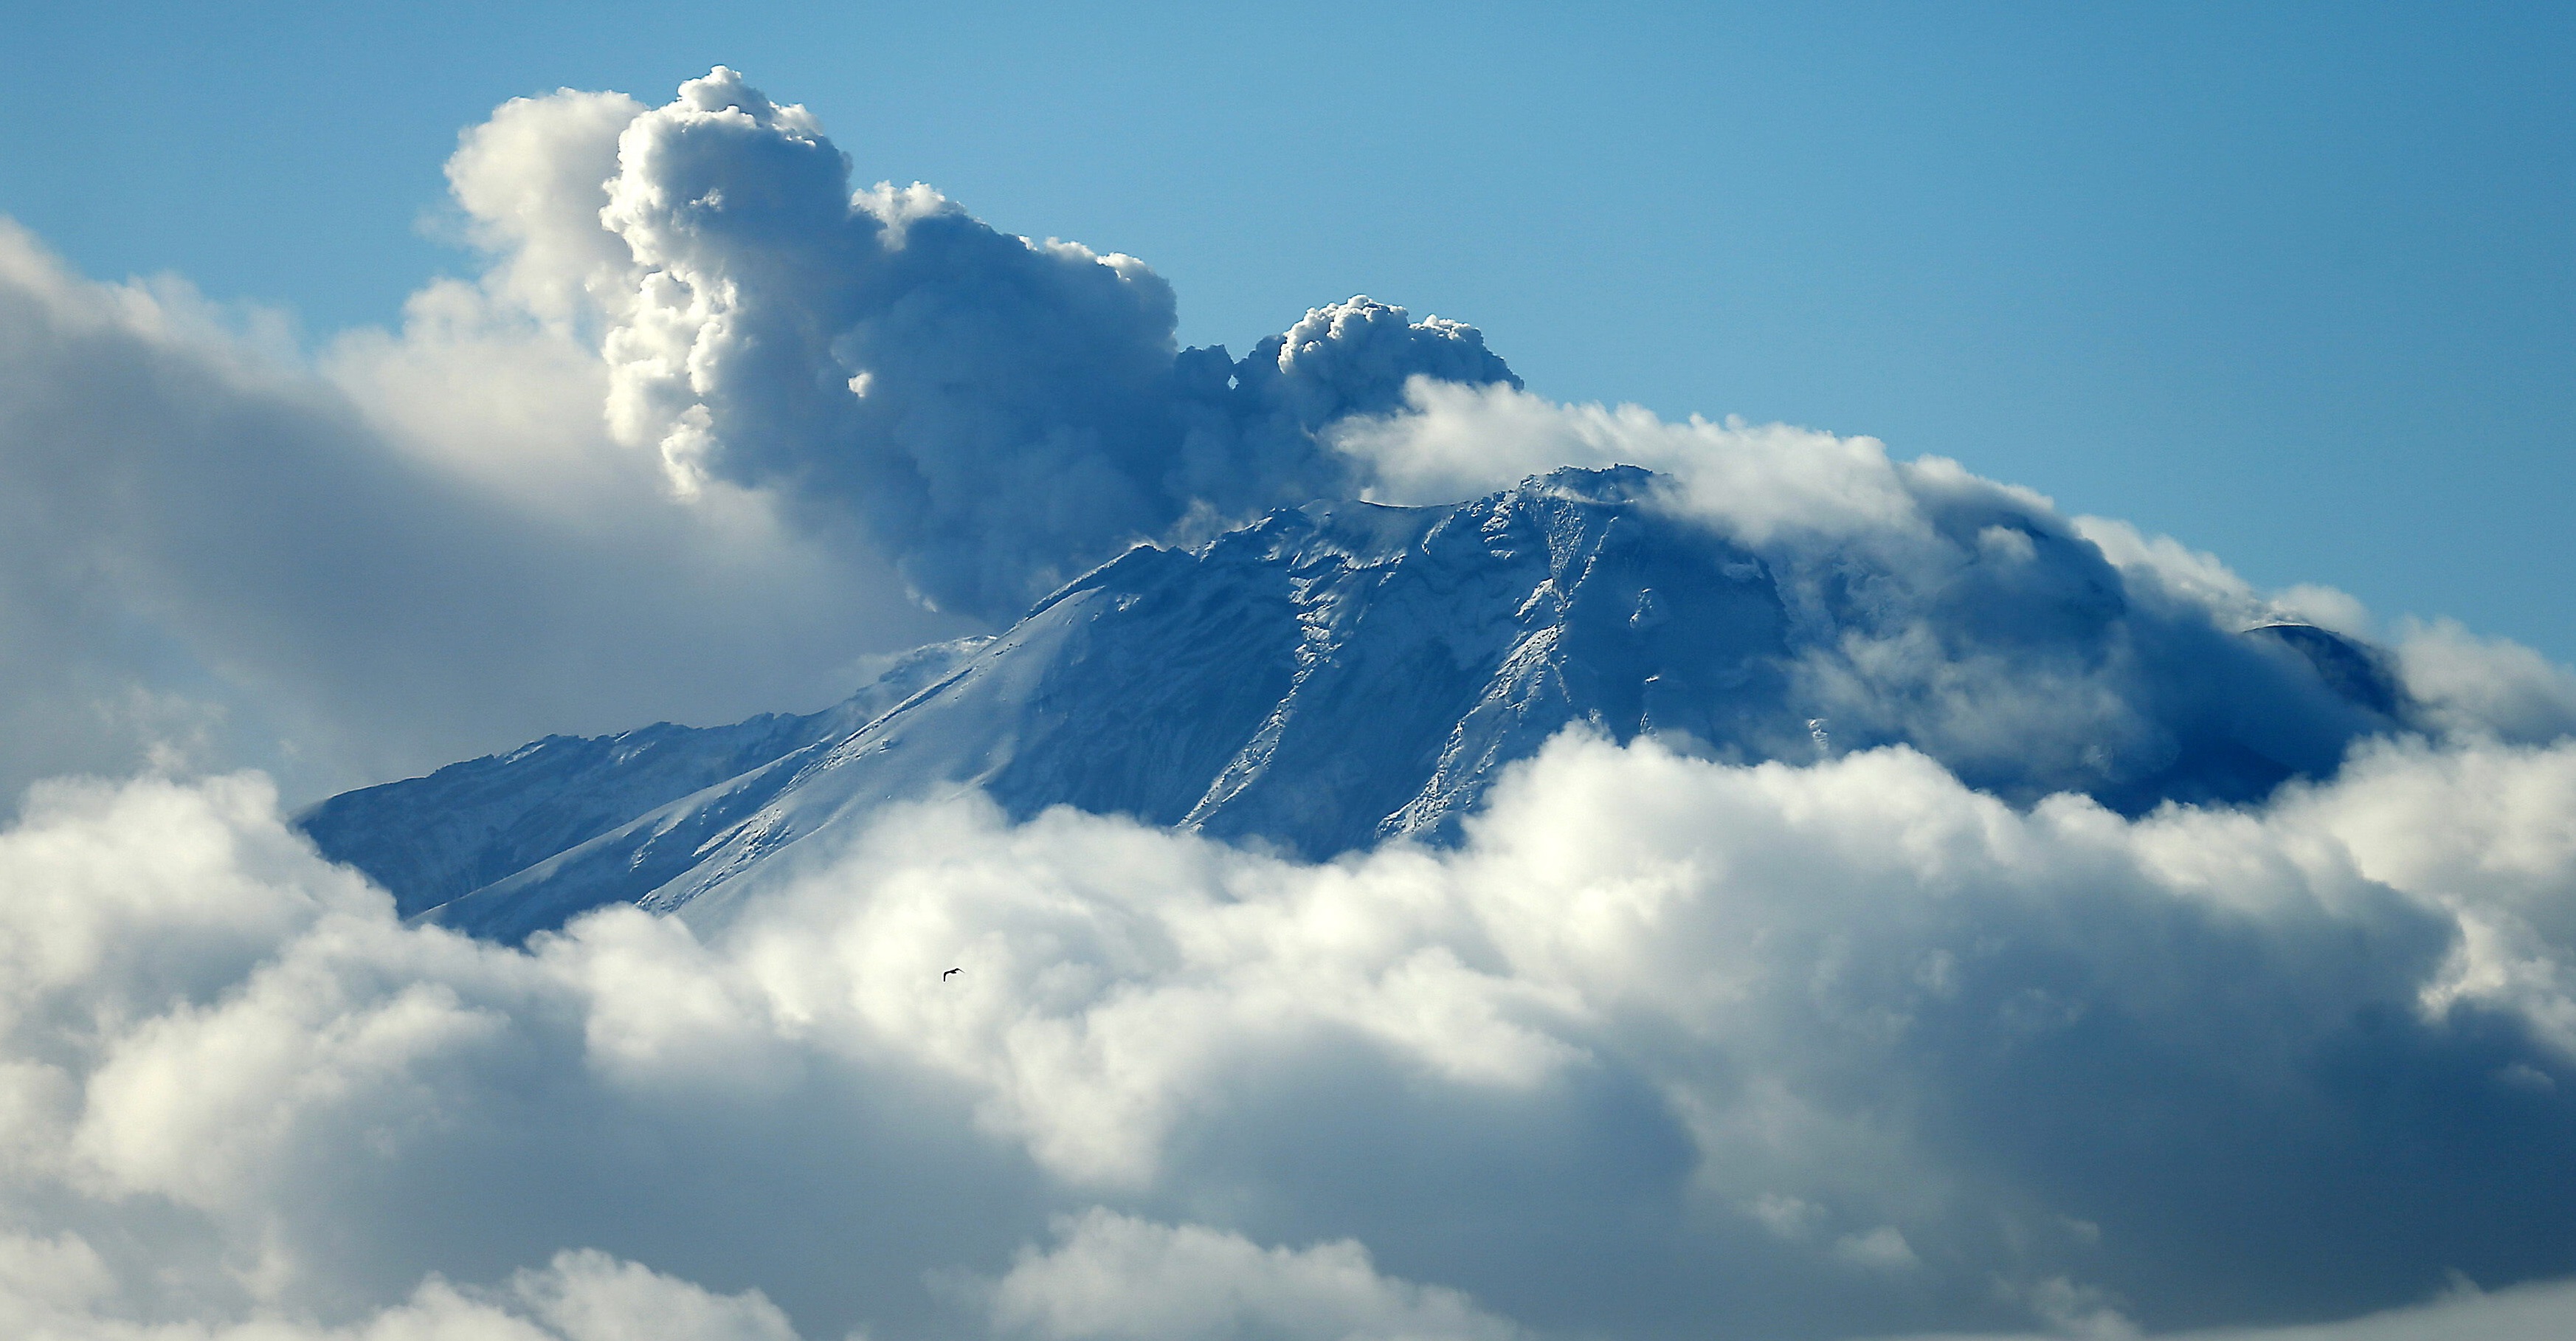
(471, 824)
(1339, 674)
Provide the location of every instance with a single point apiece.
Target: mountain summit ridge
(1347, 672)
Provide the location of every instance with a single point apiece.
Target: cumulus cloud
(1668, 1044)
(1118, 1277)
(51, 1290)
(211, 555)
(2529, 1313)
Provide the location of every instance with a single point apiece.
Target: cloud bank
(1667, 1046)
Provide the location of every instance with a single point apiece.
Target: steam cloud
(998, 414)
(1667, 1046)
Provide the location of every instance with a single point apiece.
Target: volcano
(1346, 674)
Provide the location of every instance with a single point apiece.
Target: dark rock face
(1344, 673)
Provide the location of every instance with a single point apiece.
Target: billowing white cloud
(1447, 442)
(2487, 686)
(1826, 1049)
(2465, 1313)
(58, 1289)
(217, 556)
(1117, 1278)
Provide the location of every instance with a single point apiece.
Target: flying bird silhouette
(944, 976)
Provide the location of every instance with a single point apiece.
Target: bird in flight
(945, 976)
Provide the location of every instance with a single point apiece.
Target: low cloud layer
(1669, 1047)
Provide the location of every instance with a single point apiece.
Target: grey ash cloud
(995, 413)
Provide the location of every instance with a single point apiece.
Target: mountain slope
(1343, 673)
(470, 824)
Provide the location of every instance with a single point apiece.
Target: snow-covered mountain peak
(1346, 673)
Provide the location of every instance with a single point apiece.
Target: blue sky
(2292, 285)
